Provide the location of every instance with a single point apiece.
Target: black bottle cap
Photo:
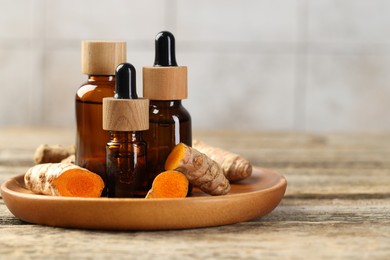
(125, 82)
(165, 50)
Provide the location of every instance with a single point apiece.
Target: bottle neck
(92, 78)
(131, 136)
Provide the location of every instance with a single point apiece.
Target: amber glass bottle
(126, 165)
(165, 84)
(169, 124)
(126, 117)
(99, 60)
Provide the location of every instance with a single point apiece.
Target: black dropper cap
(125, 82)
(165, 50)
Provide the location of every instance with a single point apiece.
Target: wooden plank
(231, 140)
(316, 229)
(337, 182)
(30, 138)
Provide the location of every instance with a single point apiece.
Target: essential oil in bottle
(126, 117)
(99, 60)
(165, 85)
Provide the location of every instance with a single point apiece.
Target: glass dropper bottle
(165, 85)
(126, 117)
(98, 60)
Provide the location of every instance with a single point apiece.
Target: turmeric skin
(169, 184)
(233, 165)
(63, 179)
(53, 153)
(69, 159)
(199, 169)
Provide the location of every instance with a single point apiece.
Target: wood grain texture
(307, 230)
(165, 83)
(125, 114)
(102, 57)
(337, 204)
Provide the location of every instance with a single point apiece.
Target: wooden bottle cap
(165, 83)
(125, 114)
(101, 57)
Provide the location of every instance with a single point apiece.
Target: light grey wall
(316, 65)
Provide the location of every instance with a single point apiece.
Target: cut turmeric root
(233, 165)
(199, 169)
(169, 184)
(63, 179)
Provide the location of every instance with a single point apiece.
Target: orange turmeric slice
(169, 184)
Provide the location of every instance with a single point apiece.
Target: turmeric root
(69, 159)
(233, 165)
(52, 153)
(199, 169)
(63, 179)
(169, 184)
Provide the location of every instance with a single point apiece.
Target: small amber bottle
(165, 85)
(99, 60)
(126, 117)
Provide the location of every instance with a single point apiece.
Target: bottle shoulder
(164, 111)
(95, 91)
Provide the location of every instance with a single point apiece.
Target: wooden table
(337, 204)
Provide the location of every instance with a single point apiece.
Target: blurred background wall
(318, 65)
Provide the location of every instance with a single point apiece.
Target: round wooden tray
(254, 197)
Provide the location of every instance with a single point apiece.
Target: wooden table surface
(337, 204)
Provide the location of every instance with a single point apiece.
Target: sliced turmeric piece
(199, 169)
(234, 166)
(169, 184)
(63, 179)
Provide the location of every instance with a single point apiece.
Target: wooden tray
(254, 197)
